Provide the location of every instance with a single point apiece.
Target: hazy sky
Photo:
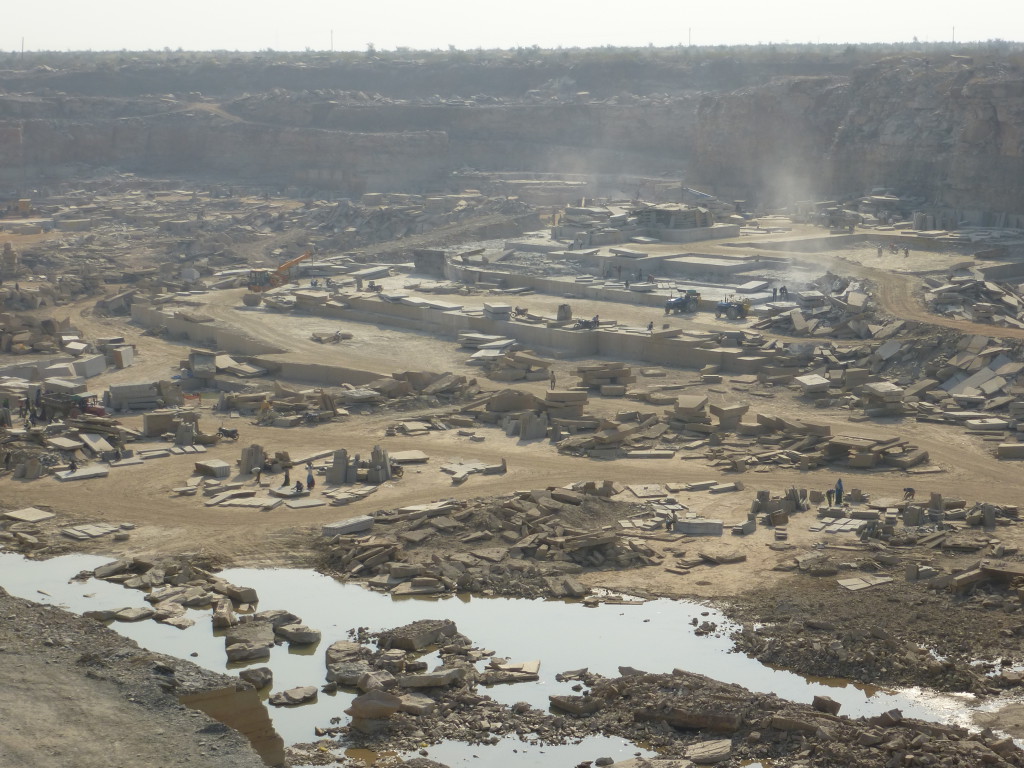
(296, 25)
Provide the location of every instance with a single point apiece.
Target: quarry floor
(166, 524)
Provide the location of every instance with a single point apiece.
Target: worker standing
(839, 492)
(551, 383)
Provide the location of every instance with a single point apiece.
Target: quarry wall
(947, 130)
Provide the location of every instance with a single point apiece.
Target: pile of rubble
(610, 379)
(520, 366)
(975, 382)
(688, 718)
(22, 335)
(915, 553)
(977, 300)
(53, 448)
(288, 406)
(829, 307)
(722, 436)
(529, 545)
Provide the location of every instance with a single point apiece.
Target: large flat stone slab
(29, 515)
(305, 503)
(83, 473)
(408, 457)
(93, 531)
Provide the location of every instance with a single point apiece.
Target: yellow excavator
(262, 280)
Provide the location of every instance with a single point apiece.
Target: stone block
(294, 696)
(709, 752)
(213, 468)
(1010, 451)
(700, 527)
(826, 704)
(352, 525)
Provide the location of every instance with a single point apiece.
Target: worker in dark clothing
(839, 492)
(298, 486)
(310, 480)
(72, 466)
(908, 494)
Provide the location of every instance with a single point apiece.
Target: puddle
(655, 636)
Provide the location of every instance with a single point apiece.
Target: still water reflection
(655, 636)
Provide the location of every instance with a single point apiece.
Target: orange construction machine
(261, 280)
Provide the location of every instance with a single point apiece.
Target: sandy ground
(165, 523)
(141, 494)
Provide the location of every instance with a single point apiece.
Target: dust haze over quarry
(501, 329)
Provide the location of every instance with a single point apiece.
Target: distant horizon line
(372, 49)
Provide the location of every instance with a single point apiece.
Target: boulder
(378, 678)
(259, 632)
(298, 634)
(576, 705)
(179, 622)
(418, 635)
(134, 614)
(826, 704)
(436, 679)
(247, 651)
(278, 618)
(195, 597)
(223, 615)
(709, 752)
(374, 705)
(236, 593)
(105, 614)
(294, 696)
(344, 651)
(258, 677)
(114, 568)
(417, 704)
(347, 672)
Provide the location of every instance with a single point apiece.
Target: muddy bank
(74, 692)
(680, 715)
(895, 634)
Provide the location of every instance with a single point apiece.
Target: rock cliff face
(206, 146)
(956, 135)
(947, 129)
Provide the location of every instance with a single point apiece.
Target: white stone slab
(29, 515)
